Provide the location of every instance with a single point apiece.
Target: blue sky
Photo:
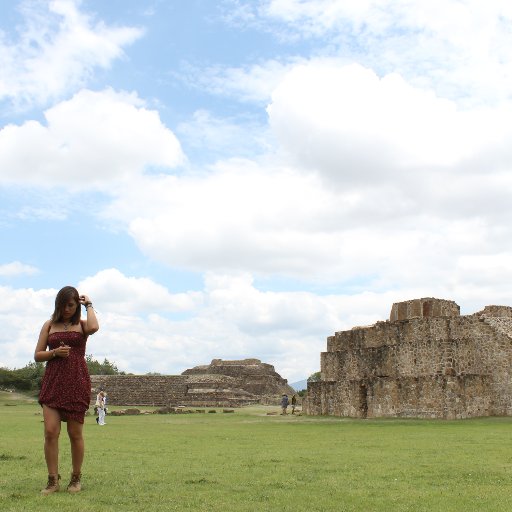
(231, 179)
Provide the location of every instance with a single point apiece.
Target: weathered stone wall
(423, 308)
(220, 384)
(249, 374)
(448, 366)
(140, 389)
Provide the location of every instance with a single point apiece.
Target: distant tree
(33, 372)
(97, 368)
(7, 379)
(155, 374)
(302, 393)
(315, 377)
(26, 379)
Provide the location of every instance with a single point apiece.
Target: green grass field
(248, 461)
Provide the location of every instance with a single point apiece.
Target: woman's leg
(77, 445)
(51, 439)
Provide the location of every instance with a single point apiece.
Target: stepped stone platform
(220, 384)
(427, 361)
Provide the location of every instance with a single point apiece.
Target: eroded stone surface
(426, 361)
(219, 384)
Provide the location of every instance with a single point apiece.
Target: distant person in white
(101, 408)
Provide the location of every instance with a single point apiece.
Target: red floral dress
(66, 384)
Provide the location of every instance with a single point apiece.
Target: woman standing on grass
(66, 386)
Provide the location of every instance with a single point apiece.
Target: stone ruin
(427, 361)
(219, 384)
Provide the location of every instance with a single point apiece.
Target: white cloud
(22, 313)
(253, 83)
(128, 295)
(51, 213)
(372, 174)
(238, 217)
(209, 135)
(391, 175)
(351, 125)
(89, 141)
(230, 318)
(280, 223)
(234, 298)
(464, 54)
(58, 49)
(285, 329)
(17, 268)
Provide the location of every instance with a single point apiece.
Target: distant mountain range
(300, 385)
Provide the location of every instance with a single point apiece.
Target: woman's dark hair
(63, 297)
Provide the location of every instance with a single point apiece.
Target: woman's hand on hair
(84, 299)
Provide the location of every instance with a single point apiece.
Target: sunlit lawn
(249, 461)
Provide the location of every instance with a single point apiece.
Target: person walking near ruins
(101, 408)
(294, 403)
(66, 385)
(284, 404)
(97, 404)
